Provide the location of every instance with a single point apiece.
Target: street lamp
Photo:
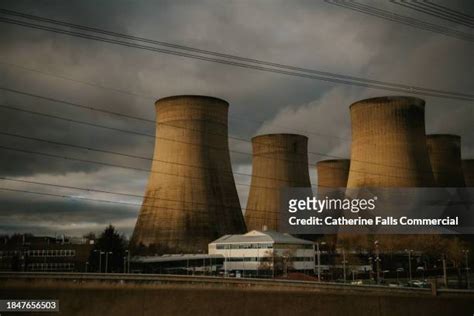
(344, 261)
(127, 269)
(466, 255)
(409, 263)
(445, 276)
(318, 256)
(100, 253)
(377, 259)
(107, 253)
(371, 267)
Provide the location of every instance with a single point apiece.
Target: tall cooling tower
(445, 156)
(389, 143)
(468, 169)
(279, 161)
(191, 198)
(333, 173)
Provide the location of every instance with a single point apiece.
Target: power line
(12, 108)
(152, 206)
(461, 14)
(167, 139)
(438, 13)
(391, 16)
(319, 154)
(145, 97)
(165, 173)
(333, 79)
(131, 156)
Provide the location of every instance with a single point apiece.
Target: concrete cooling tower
(389, 143)
(333, 173)
(191, 198)
(445, 156)
(279, 161)
(468, 169)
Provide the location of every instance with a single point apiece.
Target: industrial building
(260, 253)
(445, 156)
(191, 198)
(279, 161)
(389, 143)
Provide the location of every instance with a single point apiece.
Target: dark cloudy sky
(310, 34)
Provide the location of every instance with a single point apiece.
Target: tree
(112, 242)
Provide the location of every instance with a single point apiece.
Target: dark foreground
(96, 294)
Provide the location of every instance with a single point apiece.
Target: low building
(260, 253)
(188, 264)
(44, 254)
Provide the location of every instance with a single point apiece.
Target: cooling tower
(191, 198)
(389, 143)
(445, 157)
(468, 169)
(279, 161)
(333, 173)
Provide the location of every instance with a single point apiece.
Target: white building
(264, 253)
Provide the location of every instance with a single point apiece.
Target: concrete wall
(389, 144)
(279, 161)
(468, 169)
(333, 173)
(103, 298)
(445, 157)
(191, 198)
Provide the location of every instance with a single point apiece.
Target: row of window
(268, 259)
(51, 253)
(262, 246)
(55, 266)
(40, 253)
(244, 246)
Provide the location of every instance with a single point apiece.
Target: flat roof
(255, 236)
(175, 257)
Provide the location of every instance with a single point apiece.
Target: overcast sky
(311, 34)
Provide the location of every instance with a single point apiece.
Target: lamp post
(466, 255)
(409, 263)
(445, 275)
(127, 267)
(107, 260)
(371, 267)
(318, 256)
(100, 253)
(377, 260)
(344, 261)
(87, 266)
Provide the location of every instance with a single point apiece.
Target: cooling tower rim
(332, 161)
(195, 96)
(457, 137)
(387, 99)
(279, 134)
